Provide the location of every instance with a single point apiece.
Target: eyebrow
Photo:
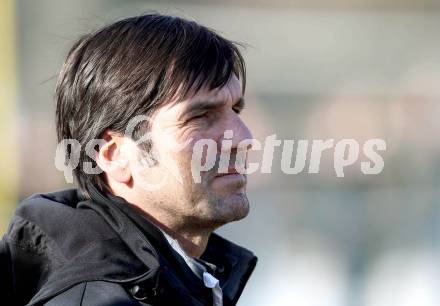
(206, 105)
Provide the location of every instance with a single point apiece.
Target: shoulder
(94, 293)
(56, 216)
(57, 248)
(44, 208)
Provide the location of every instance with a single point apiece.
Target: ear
(112, 158)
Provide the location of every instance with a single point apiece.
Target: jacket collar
(148, 243)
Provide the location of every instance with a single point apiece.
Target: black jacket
(60, 250)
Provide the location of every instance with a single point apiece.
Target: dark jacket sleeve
(5, 271)
(95, 293)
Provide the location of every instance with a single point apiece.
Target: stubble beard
(212, 210)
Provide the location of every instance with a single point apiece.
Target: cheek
(195, 145)
(167, 144)
(184, 156)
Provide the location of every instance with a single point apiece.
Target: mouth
(232, 176)
(230, 181)
(231, 171)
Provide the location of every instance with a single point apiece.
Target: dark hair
(133, 67)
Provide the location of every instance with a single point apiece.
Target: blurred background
(317, 69)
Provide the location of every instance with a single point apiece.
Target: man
(138, 230)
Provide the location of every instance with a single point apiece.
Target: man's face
(217, 198)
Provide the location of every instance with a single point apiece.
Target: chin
(233, 208)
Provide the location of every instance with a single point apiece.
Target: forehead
(227, 94)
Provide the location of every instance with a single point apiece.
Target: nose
(235, 144)
(240, 132)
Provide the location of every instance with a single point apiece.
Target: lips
(231, 171)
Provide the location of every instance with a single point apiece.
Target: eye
(199, 116)
(237, 110)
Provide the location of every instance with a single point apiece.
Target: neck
(193, 240)
(193, 243)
